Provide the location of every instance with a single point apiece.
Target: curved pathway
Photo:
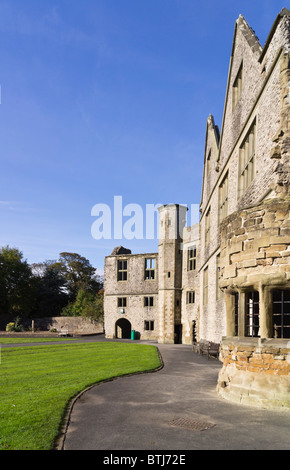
(176, 408)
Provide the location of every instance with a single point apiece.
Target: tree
(86, 305)
(16, 283)
(79, 274)
(50, 289)
(95, 309)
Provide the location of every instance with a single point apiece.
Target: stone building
(227, 279)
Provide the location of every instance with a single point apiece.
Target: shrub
(15, 326)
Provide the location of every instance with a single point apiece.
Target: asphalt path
(176, 408)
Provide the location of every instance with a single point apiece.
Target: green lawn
(33, 340)
(37, 383)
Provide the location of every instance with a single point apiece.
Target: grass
(37, 383)
(33, 340)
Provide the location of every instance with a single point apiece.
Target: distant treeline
(68, 286)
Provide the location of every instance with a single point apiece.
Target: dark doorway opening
(177, 334)
(194, 331)
(123, 329)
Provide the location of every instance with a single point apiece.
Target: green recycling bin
(133, 334)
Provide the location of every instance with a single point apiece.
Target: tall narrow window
(219, 293)
(223, 198)
(247, 155)
(207, 227)
(191, 259)
(208, 163)
(205, 286)
(190, 297)
(281, 314)
(237, 86)
(236, 314)
(252, 314)
(150, 268)
(122, 274)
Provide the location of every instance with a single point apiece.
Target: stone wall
(134, 290)
(190, 283)
(255, 372)
(255, 246)
(75, 325)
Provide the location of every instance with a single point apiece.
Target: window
(236, 314)
(191, 259)
(122, 301)
(190, 297)
(237, 86)
(207, 227)
(148, 325)
(150, 268)
(252, 314)
(208, 163)
(247, 160)
(205, 286)
(148, 301)
(223, 198)
(219, 293)
(281, 314)
(122, 274)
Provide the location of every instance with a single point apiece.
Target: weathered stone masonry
(227, 279)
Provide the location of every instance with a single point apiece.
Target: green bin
(133, 334)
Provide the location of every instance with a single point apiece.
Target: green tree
(86, 305)
(16, 283)
(95, 309)
(50, 289)
(79, 274)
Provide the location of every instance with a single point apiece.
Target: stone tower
(172, 218)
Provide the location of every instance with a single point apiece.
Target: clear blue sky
(104, 98)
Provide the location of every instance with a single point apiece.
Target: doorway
(177, 334)
(123, 329)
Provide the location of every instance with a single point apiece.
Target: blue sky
(104, 98)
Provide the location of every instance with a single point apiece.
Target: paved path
(133, 413)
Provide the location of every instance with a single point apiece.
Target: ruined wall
(264, 99)
(134, 290)
(172, 219)
(190, 283)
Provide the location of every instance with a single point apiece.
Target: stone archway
(123, 329)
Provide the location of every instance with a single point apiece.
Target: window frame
(207, 227)
(237, 87)
(247, 159)
(150, 271)
(223, 196)
(190, 297)
(149, 300)
(283, 328)
(149, 325)
(122, 302)
(205, 286)
(191, 260)
(252, 318)
(121, 271)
